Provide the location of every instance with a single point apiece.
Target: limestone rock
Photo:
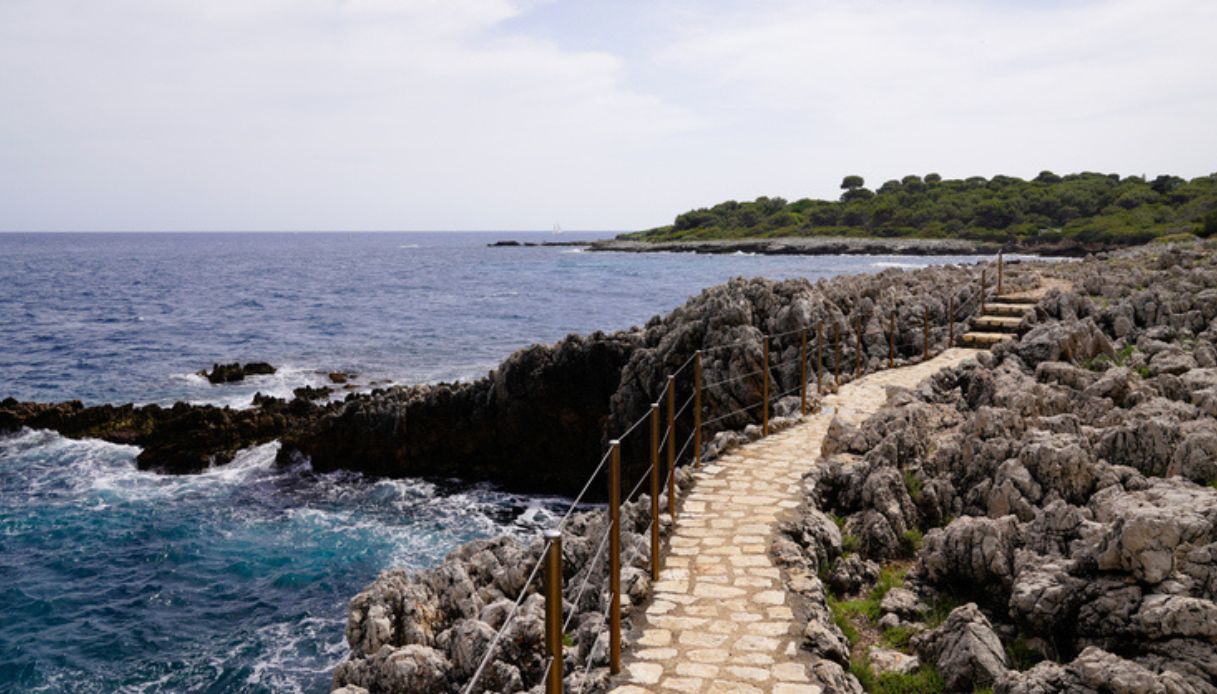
(966, 651)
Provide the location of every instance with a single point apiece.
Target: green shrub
(897, 637)
(911, 541)
(924, 680)
(940, 608)
(842, 615)
(850, 543)
(913, 484)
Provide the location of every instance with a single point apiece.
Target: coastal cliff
(1043, 519)
(1039, 519)
(540, 421)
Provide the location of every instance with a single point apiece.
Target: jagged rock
(831, 677)
(852, 573)
(901, 602)
(978, 552)
(965, 650)
(1144, 529)
(1092, 672)
(1065, 340)
(884, 660)
(1173, 361)
(1166, 616)
(412, 668)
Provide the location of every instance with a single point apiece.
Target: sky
(435, 115)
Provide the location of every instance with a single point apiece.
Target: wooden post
(672, 447)
(836, 353)
(951, 319)
(614, 510)
(553, 611)
(1001, 272)
(858, 365)
(803, 374)
(925, 335)
(765, 391)
(655, 491)
(819, 358)
(696, 408)
(891, 341)
(983, 289)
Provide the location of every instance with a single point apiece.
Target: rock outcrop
(1064, 483)
(431, 630)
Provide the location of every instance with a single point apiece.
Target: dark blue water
(237, 580)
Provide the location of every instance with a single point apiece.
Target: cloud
(358, 114)
(968, 87)
(463, 114)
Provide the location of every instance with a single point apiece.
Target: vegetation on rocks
(1083, 209)
(1065, 499)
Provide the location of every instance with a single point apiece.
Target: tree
(851, 182)
(856, 194)
(1047, 177)
(933, 178)
(913, 183)
(1210, 225)
(892, 186)
(1165, 184)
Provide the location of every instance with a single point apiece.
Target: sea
(237, 579)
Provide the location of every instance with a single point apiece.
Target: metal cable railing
(696, 405)
(507, 620)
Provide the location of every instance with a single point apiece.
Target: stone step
(997, 323)
(985, 339)
(996, 309)
(1021, 299)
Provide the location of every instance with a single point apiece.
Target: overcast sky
(516, 114)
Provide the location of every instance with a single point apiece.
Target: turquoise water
(237, 580)
(115, 579)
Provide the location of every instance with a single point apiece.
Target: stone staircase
(1000, 319)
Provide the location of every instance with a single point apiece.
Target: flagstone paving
(719, 620)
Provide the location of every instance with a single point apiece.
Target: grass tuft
(940, 608)
(924, 680)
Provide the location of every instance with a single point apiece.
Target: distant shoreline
(822, 245)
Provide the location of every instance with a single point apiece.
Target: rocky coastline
(539, 422)
(1040, 519)
(823, 245)
(1043, 519)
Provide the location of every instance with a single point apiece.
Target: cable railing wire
(724, 381)
(684, 407)
(731, 414)
(669, 432)
(587, 485)
(587, 577)
(638, 486)
(507, 620)
(634, 426)
(685, 447)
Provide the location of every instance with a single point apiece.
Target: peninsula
(1069, 215)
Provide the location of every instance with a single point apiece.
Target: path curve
(720, 620)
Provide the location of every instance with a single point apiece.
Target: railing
(551, 552)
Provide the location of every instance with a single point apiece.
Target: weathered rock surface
(1064, 483)
(430, 630)
(965, 649)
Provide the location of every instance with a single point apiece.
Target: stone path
(719, 620)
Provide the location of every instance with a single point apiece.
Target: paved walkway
(719, 621)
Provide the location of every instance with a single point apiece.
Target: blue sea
(113, 579)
